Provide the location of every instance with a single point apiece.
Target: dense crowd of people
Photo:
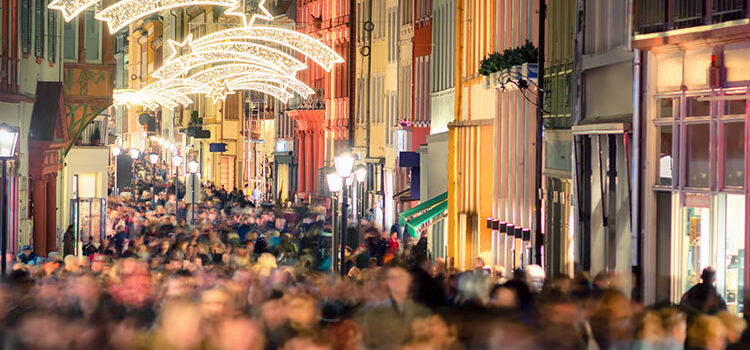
(245, 276)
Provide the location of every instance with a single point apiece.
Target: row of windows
(444, 39)
(36, 21)
(393, 34)
(407, 12)
(391, 110)
(685, 126)
(424, 9)
(422, 90)
(92, 38)
(404, 92)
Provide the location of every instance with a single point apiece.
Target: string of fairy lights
(218, 64)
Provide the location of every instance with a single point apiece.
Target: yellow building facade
(471, 137)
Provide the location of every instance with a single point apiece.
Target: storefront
(696, 194)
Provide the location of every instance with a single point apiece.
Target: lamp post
(176, 161)
(335, 184)
(134, 153)
(360, 173)
(153, 158)
(115, 153)
(193, 168)
(344, 165)
(8, 144)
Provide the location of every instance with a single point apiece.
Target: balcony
(662, 15)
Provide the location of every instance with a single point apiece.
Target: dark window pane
(70, 50)
(665, 108)
(734, 161)
(698, 138)
(697, 108)
(665, 155)
(735, 107)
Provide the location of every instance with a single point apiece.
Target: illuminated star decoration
(71, 8)
(244, 58)
(302, 43)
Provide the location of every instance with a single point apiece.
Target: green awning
(404, 216)
(414, 225)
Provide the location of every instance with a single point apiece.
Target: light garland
(166, 93)
(302, 43)
(71, 8)
(292, 83)
(122, 13)
(268, 89)
(224, 72)
(244, 52)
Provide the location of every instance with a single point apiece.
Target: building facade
(693, 115)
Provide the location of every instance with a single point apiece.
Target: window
(698, 159)
(52, 36)
(697, 108)
(26, 27)
(666, 160)
(39, 7)
(92, 39)
(735, 107)
(70, 40)
(734, 154)
(665, 108)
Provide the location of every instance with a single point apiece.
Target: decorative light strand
(124, 12)
(292, 83)
(71, 8)
(268, 89)
(248, 53)
(302, 43)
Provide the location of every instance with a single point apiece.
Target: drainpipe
(538, 238)
(635, 193)
(352, 67)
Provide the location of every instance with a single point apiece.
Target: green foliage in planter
(496, 61)
(195, 119)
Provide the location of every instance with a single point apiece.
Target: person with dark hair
(703, 297)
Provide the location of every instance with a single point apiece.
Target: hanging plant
(495, 62)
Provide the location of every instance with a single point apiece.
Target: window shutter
(52, 36)
(39, 28)
(26, 27)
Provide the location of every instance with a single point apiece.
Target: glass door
(731, 254)
(696, 239)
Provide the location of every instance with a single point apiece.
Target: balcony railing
(662, 15)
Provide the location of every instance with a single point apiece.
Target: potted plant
(512, 63)
(96, 136)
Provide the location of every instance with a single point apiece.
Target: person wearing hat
(26, 256)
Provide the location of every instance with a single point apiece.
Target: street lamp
(335, 185)
(360, 173)
(193, 169)
(176, 161)
(153, 158)
(115, 153)
(344, 165)
(8, 144)
(134, 153)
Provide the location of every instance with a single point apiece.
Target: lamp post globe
(116, 151)
(134, 153)
(177, 160)
(344, 165)
(153, 158)
(361, 173)
(193, 166)
(335, 182)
